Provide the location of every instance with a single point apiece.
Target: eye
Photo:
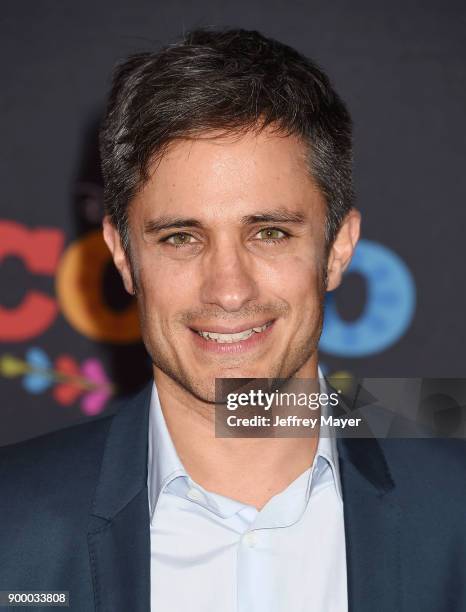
(179, 239)
(272, 234)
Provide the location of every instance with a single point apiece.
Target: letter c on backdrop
(39, 250)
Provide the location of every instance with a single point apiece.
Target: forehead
(222, 176)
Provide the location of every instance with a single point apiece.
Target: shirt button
(195, 495)
(250, 539)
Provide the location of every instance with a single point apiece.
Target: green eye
(179, 239)
(271, 233)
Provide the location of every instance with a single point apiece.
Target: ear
(120, 258)
(343, 248)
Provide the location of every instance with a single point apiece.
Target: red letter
(40, 251)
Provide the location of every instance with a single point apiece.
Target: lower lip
(256, 339)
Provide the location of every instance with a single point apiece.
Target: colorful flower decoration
(68, 380)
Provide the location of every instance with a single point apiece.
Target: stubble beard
(291, 363)
(294, 360)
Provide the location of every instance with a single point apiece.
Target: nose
(228, 278)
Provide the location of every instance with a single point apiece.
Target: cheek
(165, 289)
(295, 280)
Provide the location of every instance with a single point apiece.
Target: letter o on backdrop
(390, 306)
(79, 287)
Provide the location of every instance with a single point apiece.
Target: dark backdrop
(400, 66)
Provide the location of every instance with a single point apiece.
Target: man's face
(228, 260)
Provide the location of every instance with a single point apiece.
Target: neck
(250, 470)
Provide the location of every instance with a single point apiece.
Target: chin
(242, 371)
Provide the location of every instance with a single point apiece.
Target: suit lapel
(119, 526)
(372, 524)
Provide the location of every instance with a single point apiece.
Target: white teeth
(244, 335)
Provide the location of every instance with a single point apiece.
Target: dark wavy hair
(228, 80)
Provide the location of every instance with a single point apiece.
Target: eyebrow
(279, 215)
(163, 223)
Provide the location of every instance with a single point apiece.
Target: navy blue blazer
(74, 516)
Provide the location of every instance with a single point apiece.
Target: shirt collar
(327, 446)
(288, 506)
(164, 465)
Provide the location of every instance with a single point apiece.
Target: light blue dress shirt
(210, 553)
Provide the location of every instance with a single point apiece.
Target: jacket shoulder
(428, 457)
(431, 471)
(56, 470)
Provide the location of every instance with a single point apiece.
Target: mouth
(228, 338)
(224, 340)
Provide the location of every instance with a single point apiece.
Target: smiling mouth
(229, 338)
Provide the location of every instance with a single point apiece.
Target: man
(227, 167)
